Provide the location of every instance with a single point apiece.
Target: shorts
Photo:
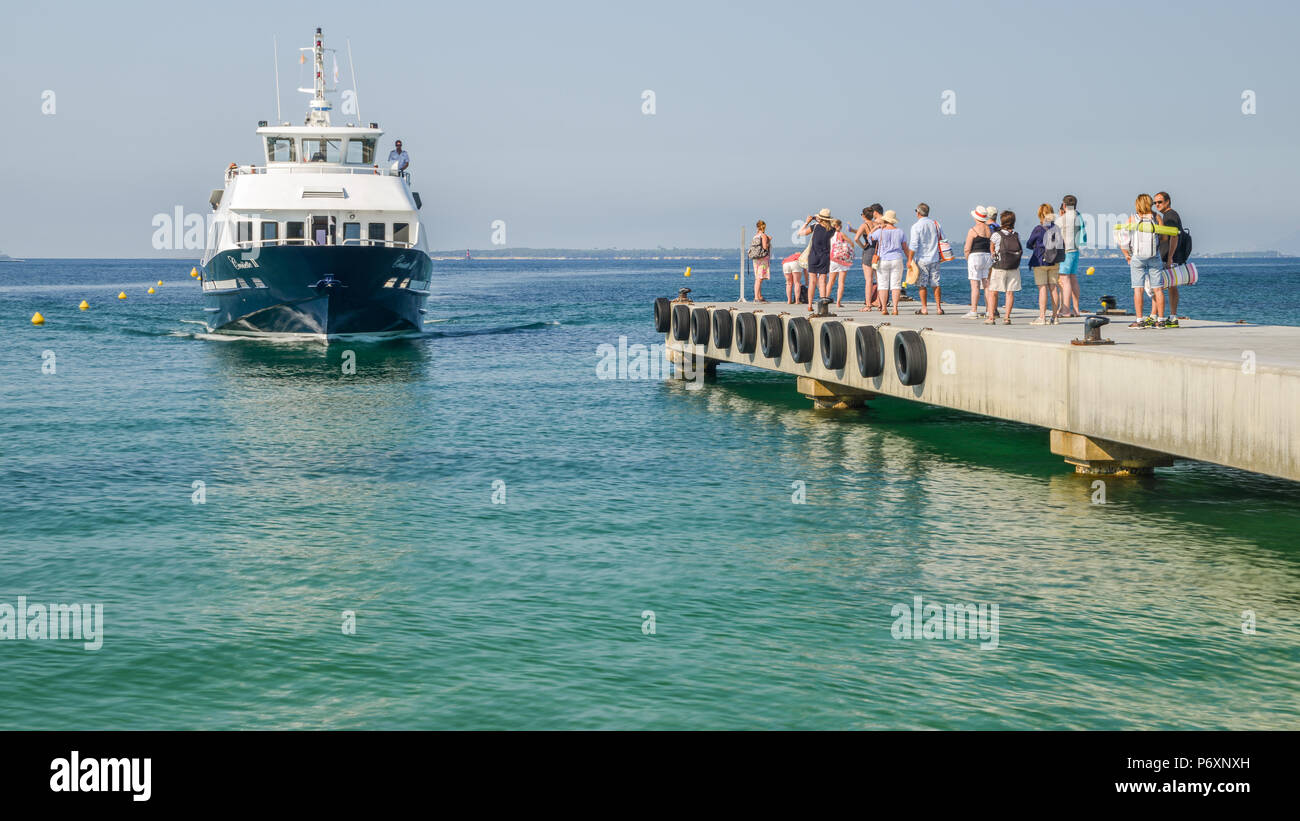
(762, 268)
(1004, 279)
(792, 269)
(1145, 273)
(927, 274)
(1047, 274)
(837, 268)
(978, 265)
(1070, 266)
(889, 274)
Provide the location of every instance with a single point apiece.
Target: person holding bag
(819, 252)
(1141, 249)
(760, 253)
(841, 261)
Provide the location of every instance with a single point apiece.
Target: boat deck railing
(266, 243)
(317, 168)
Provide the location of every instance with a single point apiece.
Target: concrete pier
(1212, 391)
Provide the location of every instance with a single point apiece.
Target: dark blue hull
(323, 291)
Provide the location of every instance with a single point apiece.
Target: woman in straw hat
(819, 255)
(891, 249)
(979, 257)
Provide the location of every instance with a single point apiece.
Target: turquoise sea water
(372, 492)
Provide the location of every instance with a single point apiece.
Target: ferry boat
(321, 239)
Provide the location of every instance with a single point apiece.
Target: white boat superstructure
(322, 237)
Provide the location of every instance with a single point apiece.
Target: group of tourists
(993, 253)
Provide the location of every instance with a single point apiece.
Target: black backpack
(1009, 250)
(1184, 249)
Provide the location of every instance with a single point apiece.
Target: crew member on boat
(399, 156)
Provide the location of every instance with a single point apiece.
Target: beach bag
(1009, 251)
(1178, 275)
(1051, 245)
(756, 249)
(841, 251)
(803, 258)
(945, 247)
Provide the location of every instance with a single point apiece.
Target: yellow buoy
(160, 282)
(83, 306)
(150, 291)
(121, 295)
(193, 272)
(735, 276)
(688, 271)
(1090, 271)
(37, 319)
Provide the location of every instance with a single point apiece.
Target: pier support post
(687, 366)
(828, 395)
(1103, 457)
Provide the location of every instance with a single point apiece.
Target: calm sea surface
(372, 492)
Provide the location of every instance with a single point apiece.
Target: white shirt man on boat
(397, 155)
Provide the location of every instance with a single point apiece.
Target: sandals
(990, 322)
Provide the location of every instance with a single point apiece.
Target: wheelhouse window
(270, 231)
(280, 149)
(401, 232)
(361, 151)
(318, 150)
(376, 232)
(294, 232)
(351, 233)
(244, 231)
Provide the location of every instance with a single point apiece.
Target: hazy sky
(532, 113)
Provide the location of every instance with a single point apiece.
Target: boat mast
(318, 112)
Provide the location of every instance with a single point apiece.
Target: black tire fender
(834, 344)
(663, 315)
(746, 332)
(771, 336)
(722, 326)
(700, 326)
(871, 351)
(799, 336)
(909, 357)
(681, 321)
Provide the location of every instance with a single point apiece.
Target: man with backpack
(1173, 250)
(1005, 274)
(1048, 248)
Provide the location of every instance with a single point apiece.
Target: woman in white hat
(891, 248)
(819, 255)
(979, 258)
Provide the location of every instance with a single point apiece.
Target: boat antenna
(318, 111)
(356, 95)
(275, 47)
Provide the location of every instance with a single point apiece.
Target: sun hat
(824, 215)
(890, 217)
(978, 214)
